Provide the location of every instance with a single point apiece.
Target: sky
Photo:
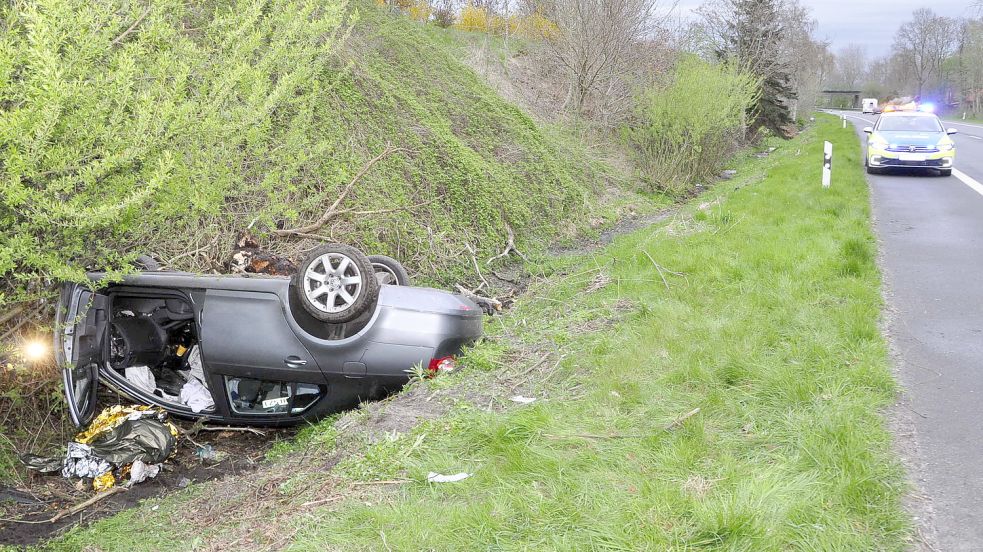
(871, 23)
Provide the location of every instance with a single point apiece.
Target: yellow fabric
(107, 420)
(104, 481)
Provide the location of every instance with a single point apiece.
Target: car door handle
(294, 361)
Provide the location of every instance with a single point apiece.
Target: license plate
(280, 401)
(911, 156)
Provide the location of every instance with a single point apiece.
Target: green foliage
(685, 130)
(208, 117)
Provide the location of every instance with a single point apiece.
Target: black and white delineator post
(827, 162)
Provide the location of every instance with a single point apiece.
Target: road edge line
(968, 180)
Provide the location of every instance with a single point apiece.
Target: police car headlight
(945, 147)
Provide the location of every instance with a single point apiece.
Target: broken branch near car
(332, 211)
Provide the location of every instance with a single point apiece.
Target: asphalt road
(930, 230)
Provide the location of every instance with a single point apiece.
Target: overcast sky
(871, 23)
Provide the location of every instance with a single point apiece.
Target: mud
(25, 511)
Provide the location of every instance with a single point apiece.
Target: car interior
(153, 343)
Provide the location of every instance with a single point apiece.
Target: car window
(912, 124)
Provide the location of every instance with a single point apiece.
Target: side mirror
(951, 131)
(869, 130)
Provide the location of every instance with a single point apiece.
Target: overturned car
(262, 350)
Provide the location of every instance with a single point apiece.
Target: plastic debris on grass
(123, 443)
(434, 477)
(523, 400)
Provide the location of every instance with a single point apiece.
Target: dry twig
(679, 421)
(129, 30)
(83, 505)
(332, 211)
(509, 246)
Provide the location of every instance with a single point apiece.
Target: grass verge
(758, 304)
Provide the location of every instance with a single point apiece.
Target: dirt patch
(25, 510)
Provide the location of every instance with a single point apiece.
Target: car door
(245, 334)
(81, 321)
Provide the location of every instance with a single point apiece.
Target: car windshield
(912, 123)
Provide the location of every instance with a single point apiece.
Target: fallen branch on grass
(323, 501)
(199, 427)
(494, 303)
(680, 420)
(332, 211)
(83, 505)
(662, 269)
(509, 247)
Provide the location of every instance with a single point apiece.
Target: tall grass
(767, 322)
(686, 128)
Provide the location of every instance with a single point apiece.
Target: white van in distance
(869, 105)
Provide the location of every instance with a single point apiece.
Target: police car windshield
(911, 123)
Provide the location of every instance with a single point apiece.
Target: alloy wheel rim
(332, 283)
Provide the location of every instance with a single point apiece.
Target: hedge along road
(931, 234)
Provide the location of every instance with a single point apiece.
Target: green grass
(772, 333)
(766, 320)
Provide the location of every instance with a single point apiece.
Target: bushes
(111, 137)
(684, 130)
(210, 117)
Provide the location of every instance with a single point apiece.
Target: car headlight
(945, 147)
(877, 144)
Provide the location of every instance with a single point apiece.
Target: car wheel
(146, 263)
(872, 170)
(336, 283)
(945, 172)
(389, 271)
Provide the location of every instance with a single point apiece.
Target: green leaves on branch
(685, 129)
(118, 121)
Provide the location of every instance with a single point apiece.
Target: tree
(598, 44)
(753, 33)
(922, 45)
(851, 66)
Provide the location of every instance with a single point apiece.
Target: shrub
(685, 129)
(208, 118)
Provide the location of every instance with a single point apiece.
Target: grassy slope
(772, 333)
(770, 328)
(478, 163)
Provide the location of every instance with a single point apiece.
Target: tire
(389, 271)
(146, 263)
(319, 288)
(945, 172)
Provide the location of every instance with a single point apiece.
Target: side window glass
(253, 396)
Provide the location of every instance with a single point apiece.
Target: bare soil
(25, 511)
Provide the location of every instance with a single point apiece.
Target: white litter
(434, 477)
(196, 396)
(140, 472)
(522, 400)
(194, 361)
(142, 377)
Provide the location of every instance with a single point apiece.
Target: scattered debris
(488, 304)
(434, 477)
(108, 449)
(728, 174)
(183, 482)
(250, 258)
(209, 453)
(600, 280)
(522, 400)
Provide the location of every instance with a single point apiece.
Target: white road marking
(968, 180)
(971, 136)
(963, 124)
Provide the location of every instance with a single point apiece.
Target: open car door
(80, 347)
